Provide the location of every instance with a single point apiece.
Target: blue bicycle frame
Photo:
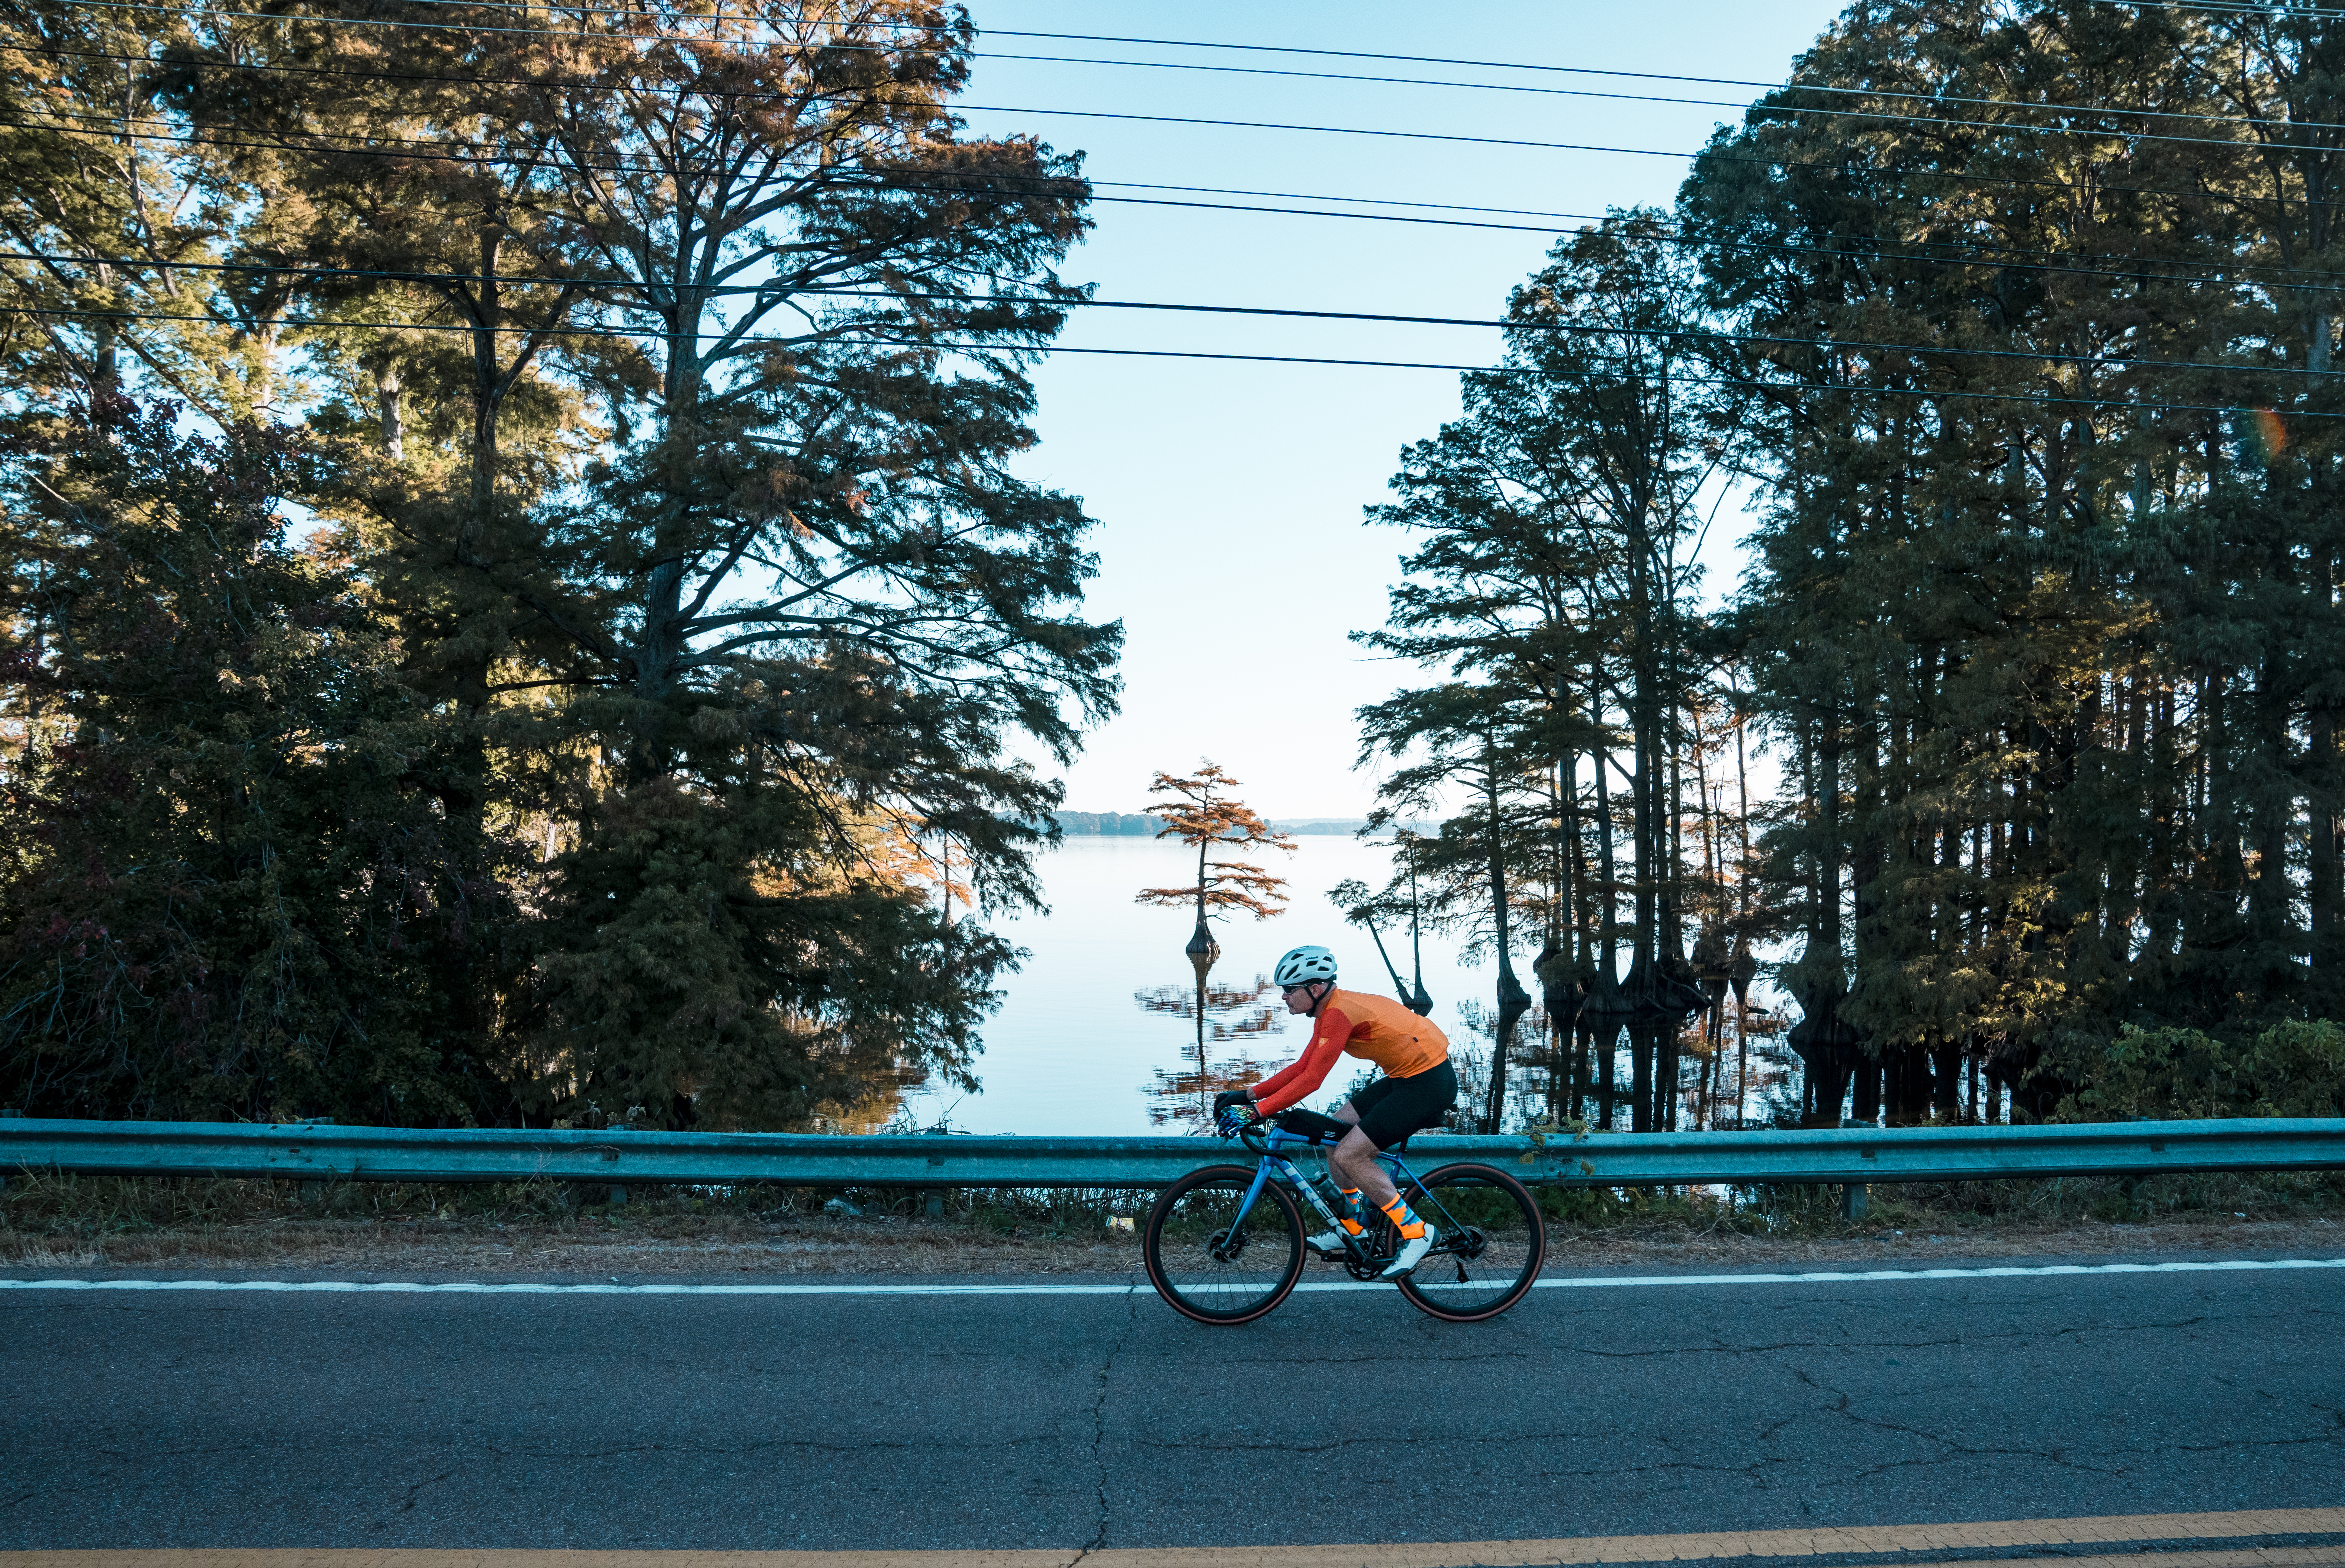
(1275, 1164)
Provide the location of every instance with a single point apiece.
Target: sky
(1229, 496)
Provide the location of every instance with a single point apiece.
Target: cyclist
(1417, 1089)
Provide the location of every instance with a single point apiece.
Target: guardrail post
(932, 1203)
(1852, 1201)
(618, 1190)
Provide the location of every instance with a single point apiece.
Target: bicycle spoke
(1492, 1243)
(1209, 1263)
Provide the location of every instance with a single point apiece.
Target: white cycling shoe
(1328, 1244)
(1412, 1253)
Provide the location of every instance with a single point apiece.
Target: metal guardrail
(316, 1152)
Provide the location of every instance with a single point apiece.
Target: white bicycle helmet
(1304, 964)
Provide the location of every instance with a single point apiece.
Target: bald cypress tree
(2032, 610)
(684, 713)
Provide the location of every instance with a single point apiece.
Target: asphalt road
(158, 1419)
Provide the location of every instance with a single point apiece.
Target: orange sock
(1351, 1208)
(1409, 1226)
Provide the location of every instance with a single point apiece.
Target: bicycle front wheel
(1493, 1243)
(1208, 1264)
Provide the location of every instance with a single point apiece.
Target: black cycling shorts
(1392, 1109)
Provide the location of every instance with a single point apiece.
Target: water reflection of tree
(1595, 1069)
(1223, 1014)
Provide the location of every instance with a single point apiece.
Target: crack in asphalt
(407, 1505)
(1962, 1340)
(1367, 1358)
(1375, 1439)
(1789, 1416)
(1099, 1428)
(769, 1446)
(1955, 1448)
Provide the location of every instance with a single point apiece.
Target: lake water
(1076, 1048)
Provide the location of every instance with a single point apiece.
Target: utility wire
(1657, 152)
(1968, 177)
(1923, 121)
(193, 64)
(2273, 13)
(574, 32)
(1993, 257)
(1487, 371)
(1569, 329)
(1997, 127)
(871, 25)
(2242, 269)
(1997, 256)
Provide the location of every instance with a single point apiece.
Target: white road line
(1041, 1287)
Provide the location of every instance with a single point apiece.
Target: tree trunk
(1945, 1099)
(1640, 1072)
(1605, 991)
(1201, 948)
(1604, 1041)
(388, 424)
(487, 382)
(1513, 1000)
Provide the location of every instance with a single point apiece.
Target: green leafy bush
(2292, 1069)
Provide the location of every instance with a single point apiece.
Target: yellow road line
(2002, 1535)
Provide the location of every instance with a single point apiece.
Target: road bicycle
(1225, 1244)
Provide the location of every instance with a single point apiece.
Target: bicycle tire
(1188, 1228)
(1512, 1239)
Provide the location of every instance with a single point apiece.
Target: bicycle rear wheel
(1209, 1267)
(1493, 1243)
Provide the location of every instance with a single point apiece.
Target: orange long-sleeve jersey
(1369, 1027)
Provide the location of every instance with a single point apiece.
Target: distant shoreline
(1140, 824)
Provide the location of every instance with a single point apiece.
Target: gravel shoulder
(723, 1248)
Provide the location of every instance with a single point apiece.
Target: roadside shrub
(2293, 1069)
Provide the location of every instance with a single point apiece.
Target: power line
(375, 149)
(1786, 109)
(1919, 121)
(872, 25)
(2241, 269)
(180, 63)
(1490, 370)
(1109, 184)
(2243, 272)
(1891, 172)
(2240, 7)
(643, 37)
(1689, 335)
(1639, 152)
(1940, 255)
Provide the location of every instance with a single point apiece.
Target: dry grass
(58, 1223)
